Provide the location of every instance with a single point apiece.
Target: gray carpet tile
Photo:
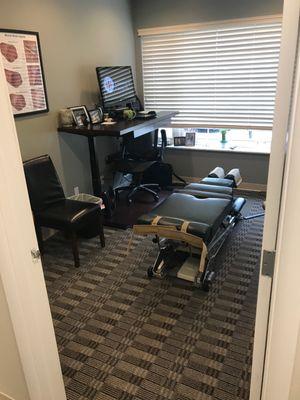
(123, 336)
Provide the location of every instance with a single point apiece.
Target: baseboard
(252, 187)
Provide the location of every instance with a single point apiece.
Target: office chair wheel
(150, 272)
(198, 285)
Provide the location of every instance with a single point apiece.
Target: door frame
(283, 104)
(22, 274)
(282, 363)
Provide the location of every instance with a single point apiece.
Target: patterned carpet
(122, 336)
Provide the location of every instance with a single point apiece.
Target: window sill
(226, 147)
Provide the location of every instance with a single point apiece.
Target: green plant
(223, 133)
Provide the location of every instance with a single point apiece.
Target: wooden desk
(136, 127)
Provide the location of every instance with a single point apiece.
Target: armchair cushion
(68, 214)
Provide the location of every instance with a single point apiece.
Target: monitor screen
(116, 85)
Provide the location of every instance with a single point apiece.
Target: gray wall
(147, 14)
(193, 163)
(76, 36)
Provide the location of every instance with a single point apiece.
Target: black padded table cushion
(204, 191)
(205, 215)
(204, 195)
(218, 182)
(209, 188)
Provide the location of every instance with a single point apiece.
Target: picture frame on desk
(80, 115)
(179, 141)
(96, 115)
(190, 138)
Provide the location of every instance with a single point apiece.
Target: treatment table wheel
(150, 272)
(204, 282)
(206, 285)
(198, 281)
(207, 281)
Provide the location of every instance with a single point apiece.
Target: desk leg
(96, 181)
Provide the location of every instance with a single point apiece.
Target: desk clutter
(118, 101)
(83, 116)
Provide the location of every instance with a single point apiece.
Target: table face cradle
(137, 127)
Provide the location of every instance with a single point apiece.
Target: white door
(280, 138)
(21, 274)
(282, 360)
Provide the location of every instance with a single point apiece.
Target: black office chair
(52, 209)
(136, 157)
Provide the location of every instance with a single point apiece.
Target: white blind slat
(219, 76)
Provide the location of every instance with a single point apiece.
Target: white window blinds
(222, 76)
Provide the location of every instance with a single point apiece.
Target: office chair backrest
(43, 184)
(140, 145)
(146, 146)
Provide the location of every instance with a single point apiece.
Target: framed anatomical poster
(22, 61)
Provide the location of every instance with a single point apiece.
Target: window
(215, 75)
(237, 140)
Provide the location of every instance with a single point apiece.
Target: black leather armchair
(52, 209)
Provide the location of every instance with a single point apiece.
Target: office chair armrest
(163, 138)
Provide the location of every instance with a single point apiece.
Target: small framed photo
(96, 115)
(190, 138)
(80, 115)
(179, 141)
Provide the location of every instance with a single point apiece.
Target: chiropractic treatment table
(191, 225)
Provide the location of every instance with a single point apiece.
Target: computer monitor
(116, 87)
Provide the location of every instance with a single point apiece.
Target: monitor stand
(133, 103)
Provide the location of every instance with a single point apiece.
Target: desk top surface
(121, 127)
